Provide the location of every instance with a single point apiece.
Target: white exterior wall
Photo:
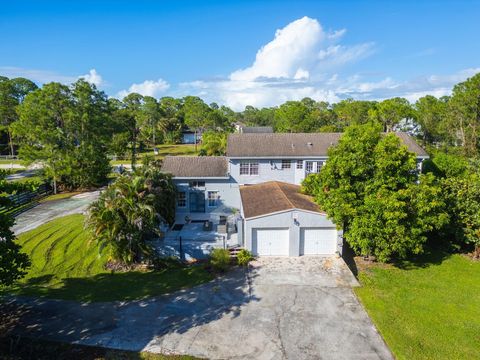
(271, 170)
(285, 219)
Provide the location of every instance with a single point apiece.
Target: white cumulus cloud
(147, 88)
(93, 77)
(298, 62)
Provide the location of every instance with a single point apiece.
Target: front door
(197, 201)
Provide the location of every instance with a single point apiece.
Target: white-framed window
(319, 165)
(197, 184)
(286, 164)
(309, 166)
(299, 164)
(212, 198)
(249, 168)
(182, 199)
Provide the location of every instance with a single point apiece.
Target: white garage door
(318, 241)
(273, 242)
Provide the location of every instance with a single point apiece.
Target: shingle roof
(196, 166)
(256, 129)
(274, 196)
(294, 144)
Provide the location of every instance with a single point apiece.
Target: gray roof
(256, 129)
(196, 166)
(295, 144)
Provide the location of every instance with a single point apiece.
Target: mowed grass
(163, 150)
(67, 264)
(429, 309)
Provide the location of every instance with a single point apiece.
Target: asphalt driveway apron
(281, 308)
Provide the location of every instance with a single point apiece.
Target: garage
(270, 242)
(278, 220)
(318, 241)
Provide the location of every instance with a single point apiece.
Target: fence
(25, 200)
(8, 157)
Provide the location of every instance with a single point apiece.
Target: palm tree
(128, 213)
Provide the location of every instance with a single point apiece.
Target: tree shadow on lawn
(429, 257)
(114, 286)
(128, 325)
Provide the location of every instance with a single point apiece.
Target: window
(196, 184)
(299, 164)
(319, 165)
(213, 198)
(182, 199)
(309, 166)
(286, 164)
(249, 168)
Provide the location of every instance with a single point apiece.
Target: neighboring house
(254, 129)
(188, 137)
(258, 181)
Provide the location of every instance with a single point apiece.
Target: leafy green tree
(292, 116)
(44, 127)
(65, 129)
(431, 115)
(196, 113)
(12, 93)
(129, 212)
(353, 112)
(13, 262)
(131, 114)
(214, 143)
(370, 188)
(462, 195)
(464, 115)
(391, 111)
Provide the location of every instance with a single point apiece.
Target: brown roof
(294, 144)
(274, 196)
(196, 166)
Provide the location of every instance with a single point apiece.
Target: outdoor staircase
(234, 251)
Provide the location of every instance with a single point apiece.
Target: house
(189, 137)
(255, 188)
(254, 129)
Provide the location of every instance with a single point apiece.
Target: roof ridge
(277, 183)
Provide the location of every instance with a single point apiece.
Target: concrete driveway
(282, 308)
(50, 210)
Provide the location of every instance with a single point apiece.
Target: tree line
(70, 120)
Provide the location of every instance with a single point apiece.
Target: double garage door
(276, 241)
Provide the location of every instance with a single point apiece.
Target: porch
(196, 239)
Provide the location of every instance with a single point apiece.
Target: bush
(244, 257)
(220, 259)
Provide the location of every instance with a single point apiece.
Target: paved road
(50, 210)
(283, 308)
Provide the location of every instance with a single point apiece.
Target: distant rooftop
(295, 144)
(196, 166)
(255, 130)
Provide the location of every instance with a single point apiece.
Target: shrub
(244, 257)
(220, 259)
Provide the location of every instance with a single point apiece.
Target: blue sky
(230, 52)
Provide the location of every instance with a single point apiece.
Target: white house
(256, 185)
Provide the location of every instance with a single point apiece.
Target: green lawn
(67, 265)
(429, 309)
(59, 196)
(163, 150)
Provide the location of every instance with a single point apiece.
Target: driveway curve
(49, 210)
(281, 308)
